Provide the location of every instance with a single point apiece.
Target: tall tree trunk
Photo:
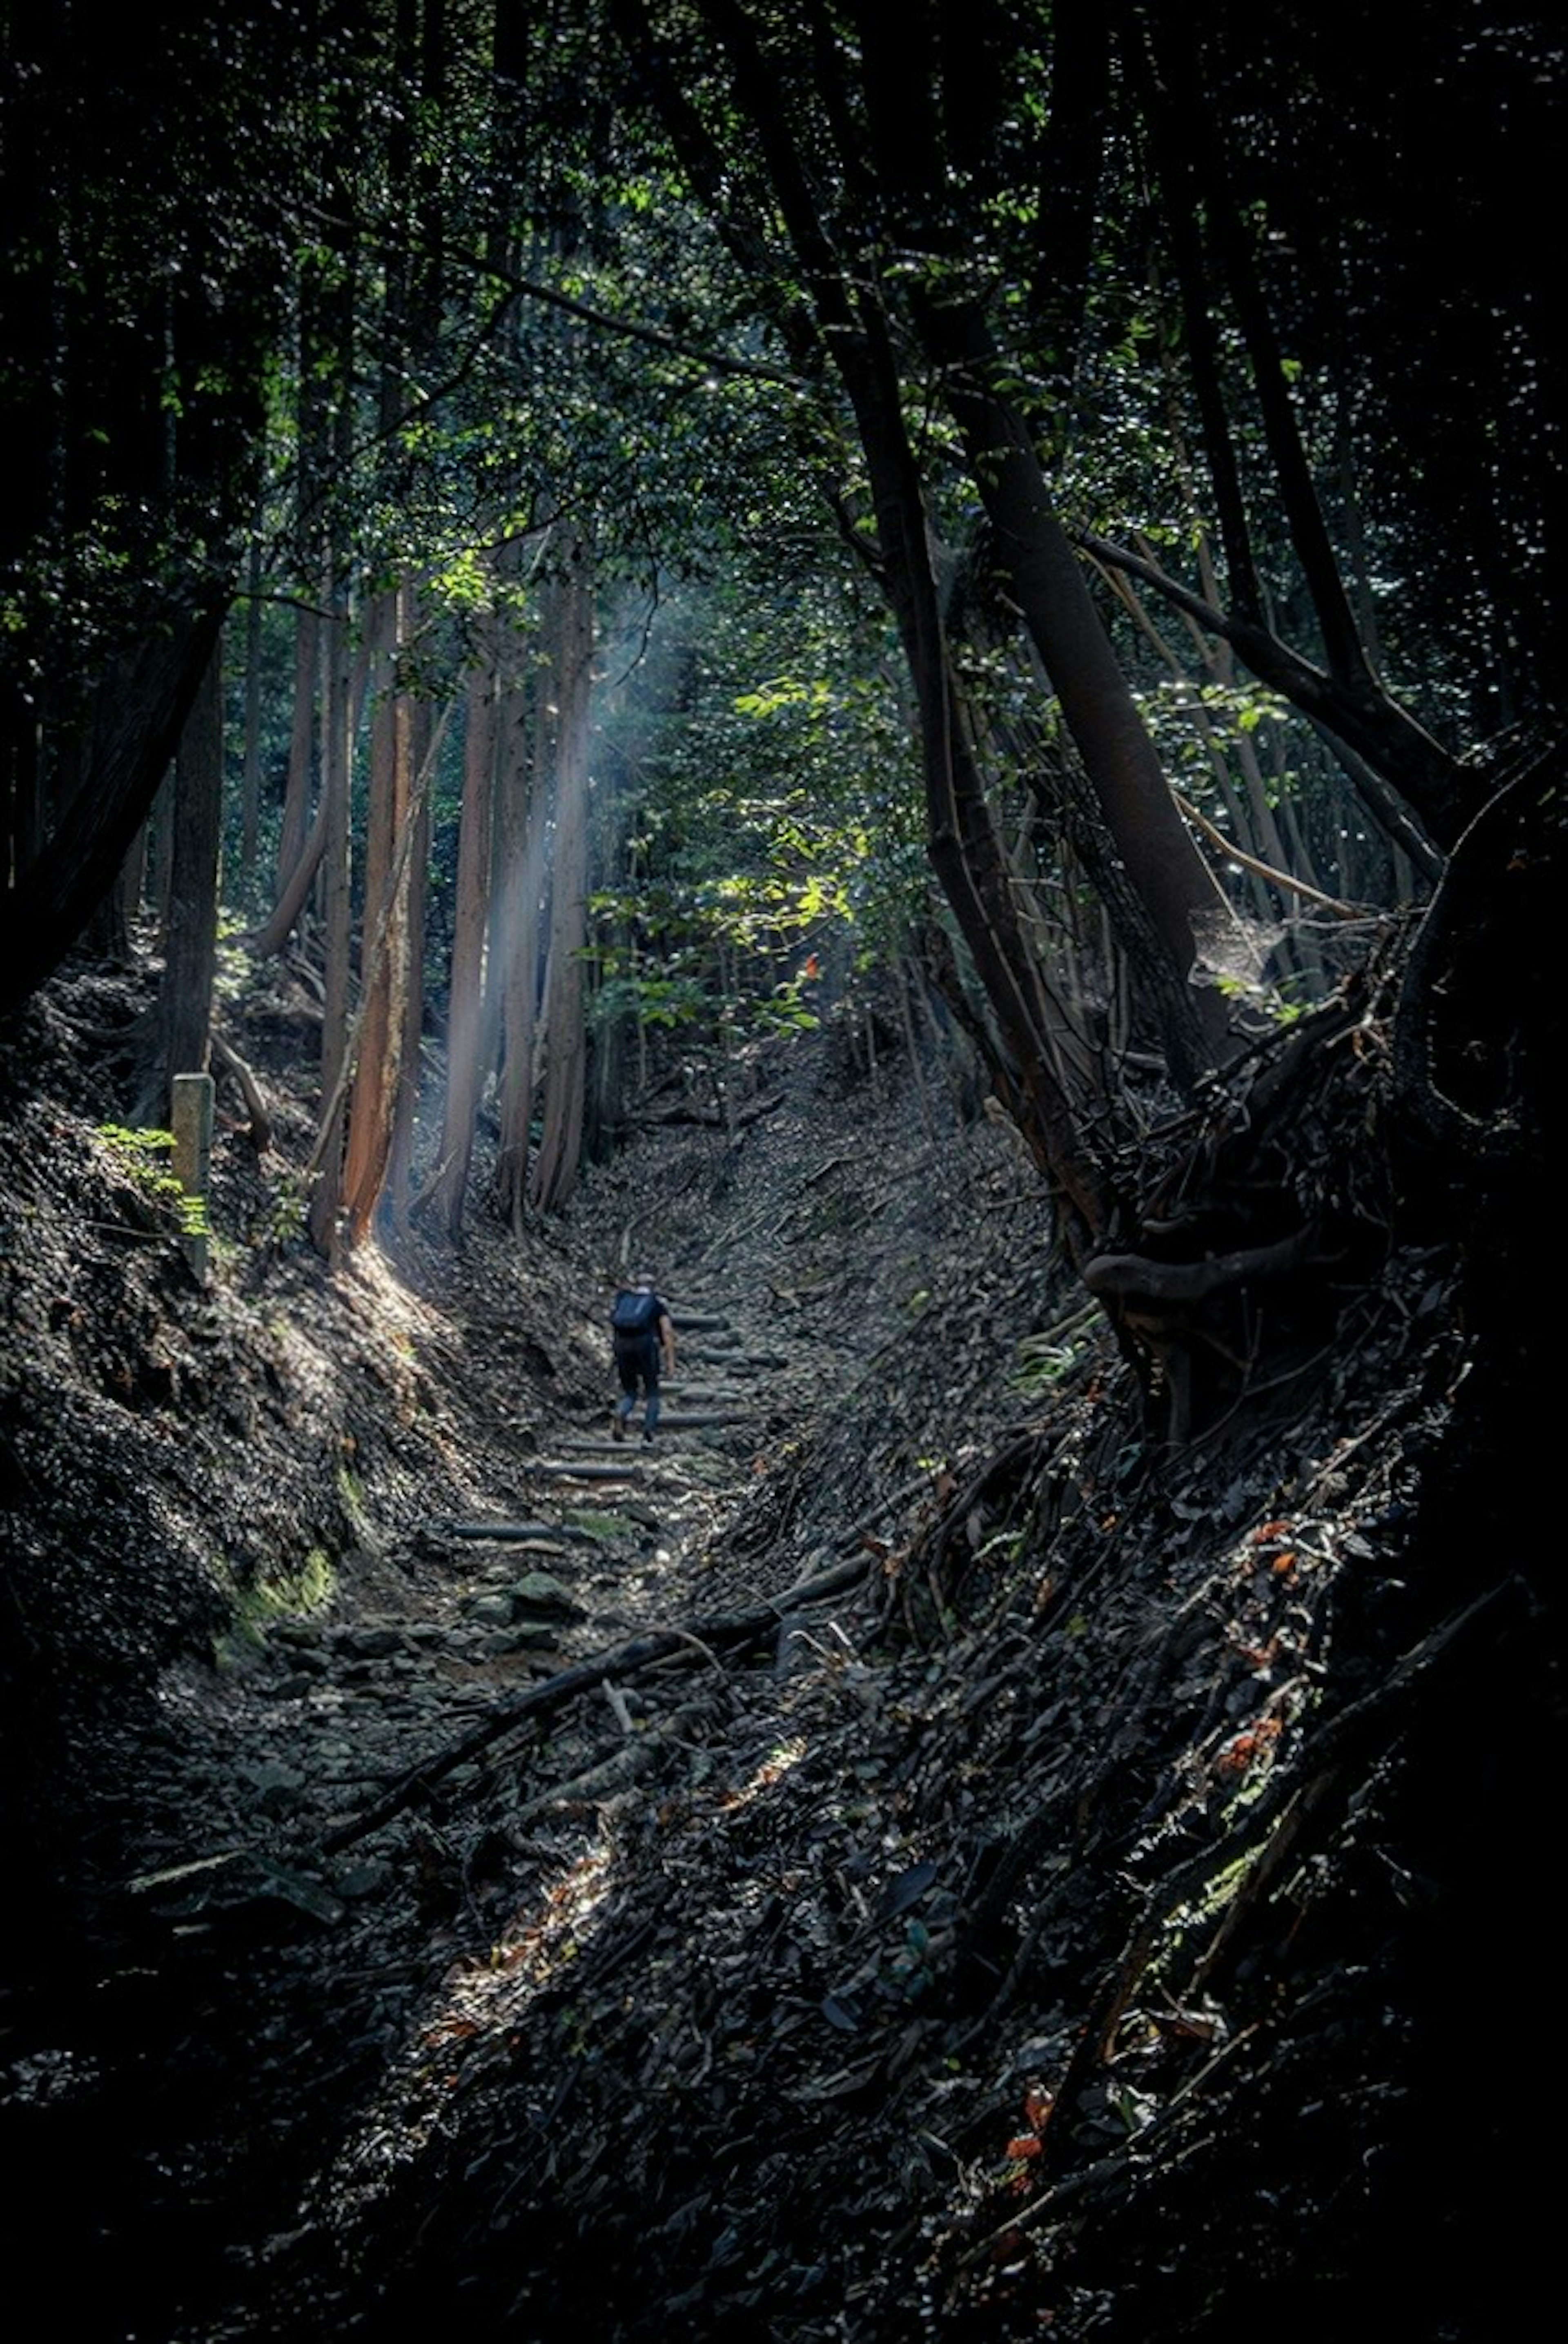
(21, 796)
(449, 1190)
(1191, 914)
(523, 827)
(337, 928)
(251, 781)
(560, 1139)
(411, 1071)
(384, 948)
(182, 1013)
(304, 730)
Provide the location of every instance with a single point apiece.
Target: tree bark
(560, 1140)
(384, 944)
(406, 1109)
(522, 824)
(182, 1014)
(327, 1196)
(448, 1191)
(250, 788)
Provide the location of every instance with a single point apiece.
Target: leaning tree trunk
(1191, 914)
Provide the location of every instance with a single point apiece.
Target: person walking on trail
(641, 1329)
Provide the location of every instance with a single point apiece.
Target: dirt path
(324, 1841)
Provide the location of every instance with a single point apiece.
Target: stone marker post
(192, 1124)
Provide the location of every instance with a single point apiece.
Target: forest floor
(905, 1854)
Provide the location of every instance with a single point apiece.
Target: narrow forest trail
(552, 1674)
(908, 1853)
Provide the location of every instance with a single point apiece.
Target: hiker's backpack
(635, 1311)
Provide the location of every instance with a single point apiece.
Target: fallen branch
(551, 1694)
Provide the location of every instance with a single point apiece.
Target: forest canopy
(1045, 510)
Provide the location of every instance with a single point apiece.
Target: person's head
(643, 1277)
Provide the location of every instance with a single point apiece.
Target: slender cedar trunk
(133, 878)
(560, 1139)
(306, 876)
(107, 934)
(250, 771)
(384, 941)
(324, 327)
(337, 930)
(294, 828)
(160, 858)
(449, 1190)
(523, 826)
(183, 1011)
(337, 324)
(406, 1112)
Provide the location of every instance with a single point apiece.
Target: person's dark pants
(637, 1365)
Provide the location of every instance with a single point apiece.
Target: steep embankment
(246, 1590)
(1057, 1918)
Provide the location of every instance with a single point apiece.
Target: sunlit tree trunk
(522, 828)
(448, 1189)
(384, 945)
(560, 1139)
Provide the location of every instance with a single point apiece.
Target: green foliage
(772, 820)
(136, 1155)
(1040, 1361)
(260, 1605)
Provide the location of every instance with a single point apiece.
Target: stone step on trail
(681, 1420)
(508, 1533)
(566, 1468)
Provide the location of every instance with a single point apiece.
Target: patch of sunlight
(779, 1762)
(403, 1314)
(541, 1941)
(477, 2001)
